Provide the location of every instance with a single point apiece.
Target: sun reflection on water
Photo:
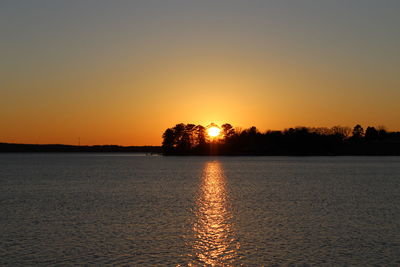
(215, 242)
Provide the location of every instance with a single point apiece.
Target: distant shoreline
(59, 148)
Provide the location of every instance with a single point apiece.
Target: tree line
(191, 139)
(57, 148)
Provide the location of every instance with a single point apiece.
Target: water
(124, 209)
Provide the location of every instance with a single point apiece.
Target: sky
(121, 72)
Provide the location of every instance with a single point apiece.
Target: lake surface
(127, 209)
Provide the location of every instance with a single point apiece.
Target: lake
(132, 209)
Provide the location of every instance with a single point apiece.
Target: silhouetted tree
(200, 135)
(181, 138)
(227, 130)
(371, 134)
(190, 134)
(252, 131)
(168, 140)
(344, 132)
(358, 131)
(382, 133)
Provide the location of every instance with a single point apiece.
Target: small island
(191, 139)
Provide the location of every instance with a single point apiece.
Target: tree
(252, 131)
(371, 134)
(190, 134)
(341, 131)
(227, 130)
(181, 139)
(168, 140)
(382, 132)
(358, 131)
(320, 130)
(200, 132)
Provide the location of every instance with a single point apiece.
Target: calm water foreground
(66, 209)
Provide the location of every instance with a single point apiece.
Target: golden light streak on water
(215, 242)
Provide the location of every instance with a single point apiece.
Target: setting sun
(214, 131)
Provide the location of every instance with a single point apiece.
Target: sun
(213, 131)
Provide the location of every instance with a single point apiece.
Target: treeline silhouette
(10, 147)
(191, 139)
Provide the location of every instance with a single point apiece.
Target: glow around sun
(213, 131)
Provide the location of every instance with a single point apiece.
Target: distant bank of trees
(191, 139)
(10, 147)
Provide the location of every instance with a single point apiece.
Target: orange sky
(109, 76)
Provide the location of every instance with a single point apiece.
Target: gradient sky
(121, 72)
